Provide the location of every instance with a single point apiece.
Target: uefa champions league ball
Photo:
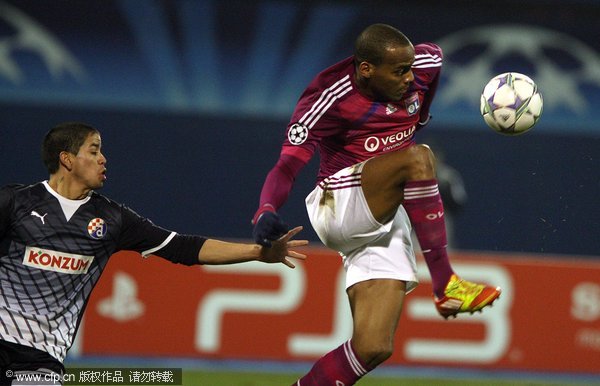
(511, 103)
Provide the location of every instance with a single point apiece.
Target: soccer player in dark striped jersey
(374, 183)
(56, 237)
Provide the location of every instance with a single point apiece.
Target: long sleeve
(278, 183)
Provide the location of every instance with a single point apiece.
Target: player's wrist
(264, 208)
(256, 252)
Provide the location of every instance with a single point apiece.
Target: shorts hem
(411, 283)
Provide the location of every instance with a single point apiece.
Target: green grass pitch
(225, 378)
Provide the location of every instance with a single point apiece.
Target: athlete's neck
(362, 87)
(66, 188)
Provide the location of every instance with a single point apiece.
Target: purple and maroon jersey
(347, 127)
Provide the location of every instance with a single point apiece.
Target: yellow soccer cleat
(463, 296)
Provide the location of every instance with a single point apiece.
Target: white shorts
(341, 217)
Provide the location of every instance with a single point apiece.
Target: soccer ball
(511, 103)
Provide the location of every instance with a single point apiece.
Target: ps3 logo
(485, 348)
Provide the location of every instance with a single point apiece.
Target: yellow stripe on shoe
(464, 296)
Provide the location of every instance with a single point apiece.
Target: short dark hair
(66, 136)
(371, 44)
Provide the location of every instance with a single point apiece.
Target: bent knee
(422, 162)
(375, 354)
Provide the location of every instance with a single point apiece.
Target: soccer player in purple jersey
(374, 182)
(56, 237)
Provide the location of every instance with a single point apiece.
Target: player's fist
(268, 227)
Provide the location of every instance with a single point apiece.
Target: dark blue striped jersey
(52, 253)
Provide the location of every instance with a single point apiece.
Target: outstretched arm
(268, 226)
(216, 252)
(278, 184)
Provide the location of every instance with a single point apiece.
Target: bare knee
(421, 163)
(379, 354)
(376, 308)
(373, 353)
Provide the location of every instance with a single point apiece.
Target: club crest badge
(412, 104)
(97, 228)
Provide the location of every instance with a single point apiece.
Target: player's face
(390, 80)
(89, 165)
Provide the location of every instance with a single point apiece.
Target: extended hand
(279, 251)
(268, 228)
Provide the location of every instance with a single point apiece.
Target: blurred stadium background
(192, 98)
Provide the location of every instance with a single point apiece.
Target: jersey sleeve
(314, 118)
(301, 141)
(7, 202)
(278, 184)
(298, 148)
(316, 113)
(142, 235)
(428, 62)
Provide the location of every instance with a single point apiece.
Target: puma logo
(36, 214)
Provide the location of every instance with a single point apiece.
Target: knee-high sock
(339, 367)
(425, 209)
